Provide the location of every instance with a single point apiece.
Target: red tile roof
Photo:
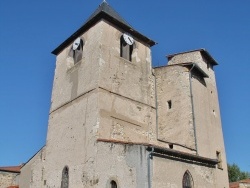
(13, 186)
(237, 184)
(234, 185)
(245, 181)
(11, 168)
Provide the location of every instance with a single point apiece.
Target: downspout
(150, 156)
(192, 103)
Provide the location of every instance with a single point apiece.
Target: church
(116, 122)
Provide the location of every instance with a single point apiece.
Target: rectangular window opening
(171, 146)
(169, 104)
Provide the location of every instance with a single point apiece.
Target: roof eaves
(14, 169)
(190, 64)
(109, 14)
(183, 155)
(208, 56)
(157, 150)
(197, 68)
(203, 51)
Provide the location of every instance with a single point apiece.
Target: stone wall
(169, 173)
(88, 102)
(8, 178)
(174, 110)
(209, 136)
(32, 172)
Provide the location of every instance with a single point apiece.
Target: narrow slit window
(169, 104)
(214, 112)
(171, 146)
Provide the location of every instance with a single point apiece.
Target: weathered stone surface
(32, 172)
(175, 120)
(8, 179)
(106, 111)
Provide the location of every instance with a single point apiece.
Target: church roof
(203, 52)
(15, 169)
(104, 7)
(237, 184)
(104, 11)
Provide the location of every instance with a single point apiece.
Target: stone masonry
(117, 122)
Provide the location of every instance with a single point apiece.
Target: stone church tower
(115, 122)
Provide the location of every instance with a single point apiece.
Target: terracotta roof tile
(237, 184)
(234, 185)
(11, 168)
(245, 181)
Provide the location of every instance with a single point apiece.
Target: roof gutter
(182, 156)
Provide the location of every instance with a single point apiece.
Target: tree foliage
(235, 174)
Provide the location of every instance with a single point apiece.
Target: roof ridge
(106, 12)
(106, 8)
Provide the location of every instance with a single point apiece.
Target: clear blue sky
(30, 30)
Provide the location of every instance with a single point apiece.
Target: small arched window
(125, 49)
(187, 181)
(113, 184)
(76, 50)
(65, 177)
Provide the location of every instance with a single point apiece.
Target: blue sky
(30, 30)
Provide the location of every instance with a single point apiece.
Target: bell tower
(103, 91)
